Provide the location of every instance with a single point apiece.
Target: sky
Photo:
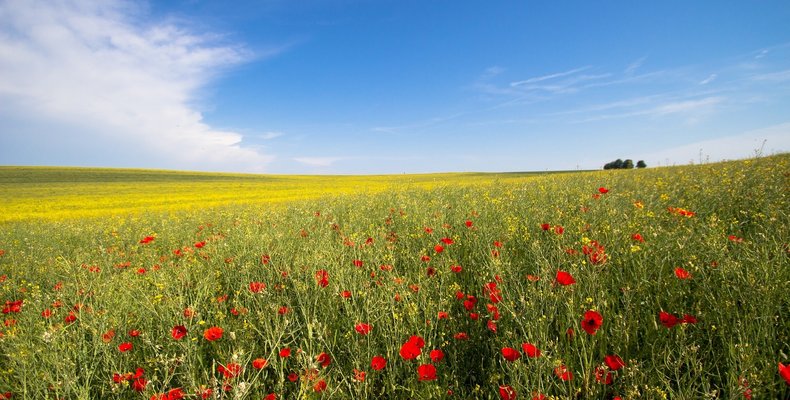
(391, 86)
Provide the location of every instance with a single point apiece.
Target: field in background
(665, 283)
(50, 193)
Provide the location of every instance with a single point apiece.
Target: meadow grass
(471, 269)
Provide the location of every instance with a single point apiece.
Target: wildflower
(324, 359)
(603, 376)
(614, 362)
(426, 372)
(124, 347)
(147, 239)
(322, 278)
(507, 392)
(229, 371)
(564, 278)
(510, 354)
(591, 322)
(256, 287)
(637, 237)
(530, 350)
(285, 352)
(603, 190)
(178, 332)
(319, 386)
(468, 223)
(213, 333)
(259, 363)
(436, 355)
(667, 319)
(438, 248)
(682, 273)
(545, 227)
(363, 328)
(378, 363)
(563, 373)
(412, 348)
(784, 372)
(456, 268)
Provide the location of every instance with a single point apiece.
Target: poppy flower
(425, 258)
(322, 278)
(603, 376)
(200, 245)
(442, 315)
(282, 310)
(461, 336)
(363, 329)
(682, 273)
(285, 352)
(107, 337)
(558, 229)
(591, 322)
(530, 350)
(319, 386)
(134, 333)
(688, 319)
(259, 363)
(539, 396)
(293, 377)
(603, 190)
(358, 263)
(637, 237)
(437, 355)
(412, 348)
(614, 362)
(426, 372)
(13, 306)
(564, 278)
(346, 294)
(545, 227)
(124, 347)
(468, 223)
(510, 354)
(229, 371)
(563, 373)
(213, 333)
(138, 384)
(438, 248)
(507, 393)
(667, 319)
(324, 359)
(71, 317)
(178, 332)
(265, 259)
(256, 287)
(378, 363)
(147, 239)
(784, 372)
(270, 396)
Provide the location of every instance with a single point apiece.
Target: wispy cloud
(693, 109)
(269, 135)
(105, 71)
(318, 161)
(549, 76)
(631, 68)
(779, 76)
(709, 79)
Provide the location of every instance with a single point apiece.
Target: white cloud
(776, 139)
(318, 161)
(549, 77)
(96, 67)
(709, 79)
(631, 68)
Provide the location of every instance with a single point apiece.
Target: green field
(156, 284)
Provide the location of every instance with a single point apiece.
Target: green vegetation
(688, 268)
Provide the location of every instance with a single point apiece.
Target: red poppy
(539, 396)
(493, 292)
(447, 241)
(293, 377)
(178, 332)
(442, 315)
(545, 227)
(324, 359)
(346, 294)
(147, 239)
(461, 336)
(107, 337)
(558, 229)
(362, 328)
(265, 259)
(563, 373)
(667, 319)
(470, 302)
(229, 371)
(270, 396)
(71, 317)
(468, 223)
(603, 190)
(412, 348)
(637, 237)
(426, 372)
(359, 376)
(322, 278)
(134, 333)
(437, 355)
(688, 319)
(784, 372)
(614, 362)
(682, 273)
(735, 239)
(282, 310)
(13, 306)
(425, 258)
(124, 347)
(259, 363)
(603, 376)
(213, 333)
(530, 350)
(474, 316)
(510, 354)
(497, 243)
(564, 278)
(378, 363)
(188, 313)
(438, 248)
(199, 245)
(592, 321)
(358, 263)
(138, 384)
(507, 393)
(320, 386)
(494, 311)
(256, 287)
(285, 352)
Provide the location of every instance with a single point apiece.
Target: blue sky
(361, 87)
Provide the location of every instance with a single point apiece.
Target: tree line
(627, 164)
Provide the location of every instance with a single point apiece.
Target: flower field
(666, 283)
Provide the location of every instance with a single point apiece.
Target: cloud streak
(98, 69)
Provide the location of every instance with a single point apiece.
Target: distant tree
(617, 164)
(628, 164)
(641, 164)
